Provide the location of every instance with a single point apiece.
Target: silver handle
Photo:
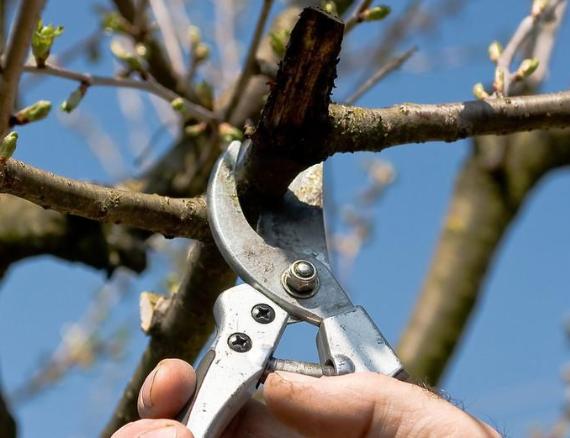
(249, 326)
(351, 342)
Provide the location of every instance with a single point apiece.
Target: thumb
(365, 404)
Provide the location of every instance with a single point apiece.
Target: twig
(354, 18)
(171, 43)
(27, 18)
(150, 86)
(381, 73)
(241, 83)
(159, 214)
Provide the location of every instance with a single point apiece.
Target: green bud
(33, 113)
(278, 41)
(205, 94)
(376, 13)
(538, 7)
(495, 50)
(195, 130)
(178, 105)
(42, 41)
(499, 83)
(74, 99)
(194, 36)
(8, 146)
(129, 59)
(113, 22)
(201, 52)
(330, 7)
(527, 67)
(479, 91)
(229, 133)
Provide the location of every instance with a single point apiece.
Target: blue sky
(508, 367)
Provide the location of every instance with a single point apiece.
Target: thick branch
(27, 18)
(159, 214)
(7, 423)
(294, 117)
(356, 129)
(485, 203)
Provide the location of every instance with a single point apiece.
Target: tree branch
(159, 214)
(356, 129)
(150, 86)
(7, 423)
(27, 18)
(485, 203)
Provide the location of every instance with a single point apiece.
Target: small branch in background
(26, 21)
(385, 70)
(191, 109)
(159, 214)
(250, 60)
(170, 39)
(224, 35)
(353, 19)
(83, 342)
(542, 14)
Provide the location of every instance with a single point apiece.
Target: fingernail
(146, 390)
(163, 432)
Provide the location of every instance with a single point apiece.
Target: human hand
(353, 405)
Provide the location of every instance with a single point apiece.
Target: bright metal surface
(300, 234)
(229, 377)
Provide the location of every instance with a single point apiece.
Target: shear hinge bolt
(239, 342)
(301, 278)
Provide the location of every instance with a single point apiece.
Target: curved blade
(288, 235)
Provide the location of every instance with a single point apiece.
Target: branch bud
(538, 7)
(33, 113)
(42, 41)
(8, 146)
(499, 83)
(479, 91)
(527, 68)
(376, 13)
(113, 22)
(329, 7)
(194, 36)
(495, 50)
(132, 61)
(178, 105)
(229, 133)
(74, 99)
(278, 41)
(201, 52)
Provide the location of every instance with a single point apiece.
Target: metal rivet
(263, 313)
(301, 279)
(239, 342)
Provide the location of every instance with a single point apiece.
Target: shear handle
(249, 326)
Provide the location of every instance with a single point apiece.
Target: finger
(166, 389)
(153, 429)
(255, 421)
(364, 404)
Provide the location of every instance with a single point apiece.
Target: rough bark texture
(170, 217)
(488, 195)
(295, 115)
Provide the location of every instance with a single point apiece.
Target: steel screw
(301, 278)
(263, 313)
(239, 342)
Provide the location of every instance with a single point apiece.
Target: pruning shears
(287, 278)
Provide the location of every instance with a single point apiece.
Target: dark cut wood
(295, 118)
